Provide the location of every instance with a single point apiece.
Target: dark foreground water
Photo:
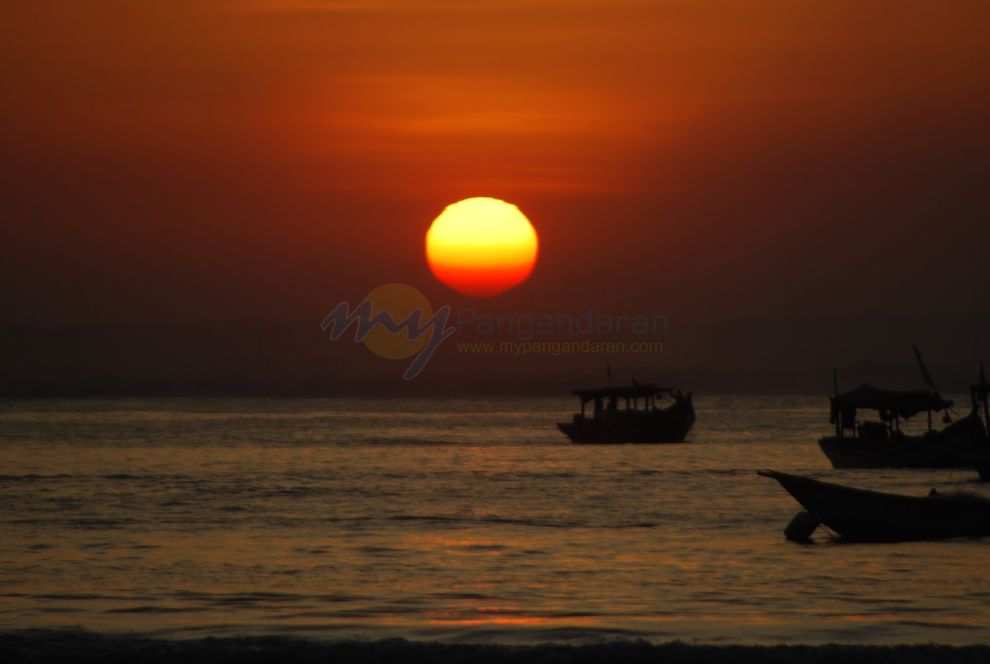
(452, 521)
(31, 647)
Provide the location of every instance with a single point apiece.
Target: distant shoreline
(80, 646)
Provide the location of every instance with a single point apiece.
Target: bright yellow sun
(481, 246)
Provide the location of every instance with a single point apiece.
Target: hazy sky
(197, 159)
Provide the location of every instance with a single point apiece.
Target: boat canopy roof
(625, 392)
(890, 403)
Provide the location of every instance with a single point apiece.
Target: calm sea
(465, 520)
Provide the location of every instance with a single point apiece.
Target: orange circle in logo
(399, 301)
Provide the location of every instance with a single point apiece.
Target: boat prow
(873, 516)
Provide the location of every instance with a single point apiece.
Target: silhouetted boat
(980, 460)
(978, 456)
(858, 514)
(650, 424)
(881, 444)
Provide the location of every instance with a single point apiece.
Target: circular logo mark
(399, 301)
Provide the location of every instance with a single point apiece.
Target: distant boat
(881, 444)
(861, 515)
(608, 423)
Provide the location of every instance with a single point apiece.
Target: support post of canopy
(835, 393)
(983, 390)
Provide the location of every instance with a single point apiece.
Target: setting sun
(481, 246)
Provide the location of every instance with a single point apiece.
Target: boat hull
(670, 425)
(979, 458)
(948, 448)
(862, 515)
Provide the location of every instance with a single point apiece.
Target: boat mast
(983, 390)
(835, 392)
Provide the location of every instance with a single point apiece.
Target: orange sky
(198, 159)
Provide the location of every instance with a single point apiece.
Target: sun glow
(481, 246)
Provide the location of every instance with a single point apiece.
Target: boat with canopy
(631, 414)
(880, 443)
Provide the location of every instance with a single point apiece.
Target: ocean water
(452, 520)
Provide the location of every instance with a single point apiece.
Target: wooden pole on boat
(835, 392)
(983, 388)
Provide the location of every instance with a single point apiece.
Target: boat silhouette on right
(879, 443)
(978, 456)
(872, 516)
